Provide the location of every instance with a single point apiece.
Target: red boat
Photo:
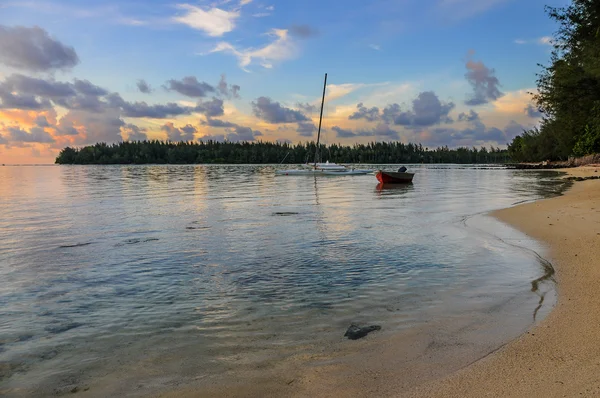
(394, 177)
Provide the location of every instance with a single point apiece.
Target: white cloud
(335, 91)
(282, 48)
(376, 47)
(244, 2)
(544, 41)
(215, 21)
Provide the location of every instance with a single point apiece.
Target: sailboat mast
(320, 120)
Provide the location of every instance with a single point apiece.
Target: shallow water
(214, 267)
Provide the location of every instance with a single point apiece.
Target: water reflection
(393, 189)
(218, 261)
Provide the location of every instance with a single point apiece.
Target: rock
(356, 332)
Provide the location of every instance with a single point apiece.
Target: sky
(435, 72)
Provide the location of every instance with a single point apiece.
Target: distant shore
(560, 357)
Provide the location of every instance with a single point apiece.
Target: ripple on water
(218, 262)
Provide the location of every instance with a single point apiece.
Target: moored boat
(328, 169)
(394, 177)
(317, 168)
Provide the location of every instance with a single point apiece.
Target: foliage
(568, 89)
(160, 152)
(588, 143)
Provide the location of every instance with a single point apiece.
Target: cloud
(177, 134)
(34, 50)
(228, 90)
(93, 127)
(217, 123)
(280, 49)
(513, 129)
(66, 126)
(335, 91)
(533, 111)
(35, 134)
(49, 89)
(235, 132)
(343, 133)
(41, 121)
(214, 22)
(477, 133)
(375, 47)
(134, 133)
(381, 130)
(306, 129)
(427, 110)
(468, 117)
(190, 87)
(143, 86)
(162, 111)
(23, 92)
(369, 114)
(273, 112)
(213, 107)
(241, 133)
(303, 31)
(543, 41)
(34, 93)
(306, 107)
(484, 83)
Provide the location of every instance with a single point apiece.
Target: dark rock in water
(62, 327)
(355, 332)
(75, 245)
(285, 213)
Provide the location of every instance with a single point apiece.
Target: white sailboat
(329, 169)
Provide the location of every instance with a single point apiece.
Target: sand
(560, 357)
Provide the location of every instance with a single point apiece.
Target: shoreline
(560, 355)
(386, 366)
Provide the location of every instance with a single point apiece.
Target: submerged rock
(356, 332)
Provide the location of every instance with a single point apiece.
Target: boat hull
(317, 172)
(389, 177)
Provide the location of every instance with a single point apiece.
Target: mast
(320, 120)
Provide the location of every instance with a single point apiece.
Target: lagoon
(142, 279)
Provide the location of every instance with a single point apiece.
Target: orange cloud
(513, 102)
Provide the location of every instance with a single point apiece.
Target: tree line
(568, 89)
(166, 152)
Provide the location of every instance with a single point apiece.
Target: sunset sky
(436, 72)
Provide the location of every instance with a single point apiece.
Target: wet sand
(560, 357)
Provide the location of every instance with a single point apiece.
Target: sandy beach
(560, 357)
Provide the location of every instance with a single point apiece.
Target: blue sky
(378, 53)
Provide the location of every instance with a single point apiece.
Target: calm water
(193, 269)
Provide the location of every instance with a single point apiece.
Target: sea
(137, 279)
